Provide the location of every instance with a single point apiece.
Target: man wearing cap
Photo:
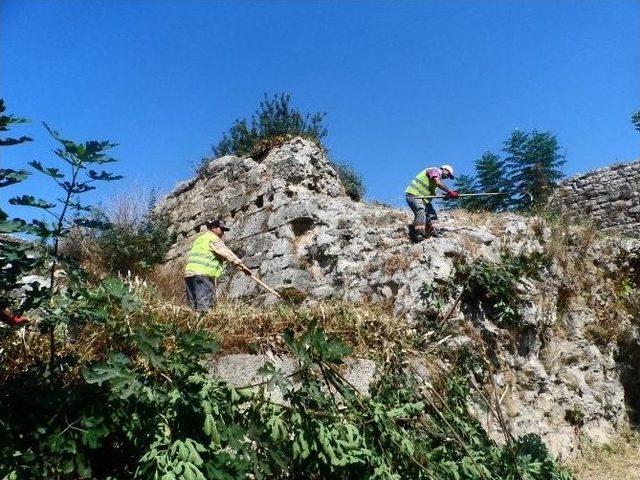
(425, 185)
(205, 265)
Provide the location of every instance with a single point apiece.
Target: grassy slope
(619, 460)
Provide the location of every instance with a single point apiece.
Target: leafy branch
(80, 179)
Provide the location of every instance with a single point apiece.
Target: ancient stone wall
(609, 197)
(293, 225)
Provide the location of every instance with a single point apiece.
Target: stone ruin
(293, 224)
(608, 197)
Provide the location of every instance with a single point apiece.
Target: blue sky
(405, 84)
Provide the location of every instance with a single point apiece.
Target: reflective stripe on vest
(422, 185)
(201, 260)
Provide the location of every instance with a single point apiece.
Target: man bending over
(205, 265)
(425, 185)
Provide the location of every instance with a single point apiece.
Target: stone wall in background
(609, 197)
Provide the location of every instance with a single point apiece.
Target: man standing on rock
(425, 185)
(205, 265)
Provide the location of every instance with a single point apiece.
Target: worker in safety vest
(205, 264)
(425, 185)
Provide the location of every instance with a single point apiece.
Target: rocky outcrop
(608, 197)
(292, 223)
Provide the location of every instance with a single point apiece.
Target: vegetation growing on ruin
(135, 238)
(486, 288)
(109, 381)
(275, 122)
(351, 180)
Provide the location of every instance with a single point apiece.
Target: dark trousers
(423, 212)
(201, 292)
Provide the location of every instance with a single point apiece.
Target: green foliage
(5, 122)
(148, 409)
(274, 119)
(275, 122)
(635, 120)
(135, 247)
(492, 177)
(527, 176)
(491, 288)
(466, 184)
(534, 161)
(16, 257)
(351, 180)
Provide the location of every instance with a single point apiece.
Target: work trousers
(423, 212)
(201, 292)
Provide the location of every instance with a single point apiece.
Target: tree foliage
(15, 256)
(5, 124)
(274, 121)
(65, 213)
(465, 184)
(491, 176)
(635, 120)
(534, 161)
(526, 176)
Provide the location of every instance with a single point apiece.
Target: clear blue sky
(406, 84)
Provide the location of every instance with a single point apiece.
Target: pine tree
(465, 184)
(534, 161)
(635, 119)
(491, 177)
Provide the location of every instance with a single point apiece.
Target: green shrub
(490, 287)
(147, 408)
(135, 247)
(274, 123)
(351, 180)
(275, 119)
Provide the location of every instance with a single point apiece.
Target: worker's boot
(431, 231)
(416, 233)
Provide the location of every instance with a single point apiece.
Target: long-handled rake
(263, 285)
(484, 194)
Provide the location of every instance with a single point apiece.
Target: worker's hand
(453, 194)
(245, 269)
(12, 320)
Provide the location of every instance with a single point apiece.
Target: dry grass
(619, 460)
(368, 328)
(608, 293)
(168, 281)
(81, 245)
(396, 263)
(240, 328)
(384, 218)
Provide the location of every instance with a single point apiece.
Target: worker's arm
(450, 192)
(220, 249)
(441, 185)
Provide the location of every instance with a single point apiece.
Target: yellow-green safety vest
(422, 185)
(201, 260)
